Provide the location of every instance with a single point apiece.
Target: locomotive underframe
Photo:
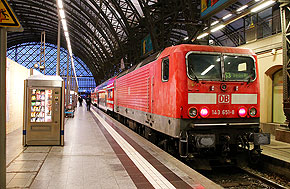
(222, 138)
(167, 125)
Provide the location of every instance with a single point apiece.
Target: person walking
(88, 101)
(80, 99)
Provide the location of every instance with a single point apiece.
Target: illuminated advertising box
(210, 7)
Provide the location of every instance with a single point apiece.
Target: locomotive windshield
(208, 67)
(204, 66)
(239, 68)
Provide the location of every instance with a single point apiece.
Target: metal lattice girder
(285, 24)
(102, 32)
(99, 29)
(169, 22)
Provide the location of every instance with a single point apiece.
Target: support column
(285, 25)
(3, 48)
(58, 49)
(67, 81)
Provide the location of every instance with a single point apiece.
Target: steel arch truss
(170, 22)
(102, 32)
(99, 29)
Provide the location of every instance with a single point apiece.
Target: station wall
(15, 76)
(270, 61)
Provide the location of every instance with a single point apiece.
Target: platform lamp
(38, 65)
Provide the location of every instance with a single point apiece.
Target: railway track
(243, 178)
(237, 177)
(263, 179)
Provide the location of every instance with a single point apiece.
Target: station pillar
(3, 48)
(285, 25)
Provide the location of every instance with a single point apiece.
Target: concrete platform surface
(278, 150)
(99, 152)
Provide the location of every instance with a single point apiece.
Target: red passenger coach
(103, 95)
(203, 99)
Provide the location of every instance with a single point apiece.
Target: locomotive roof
(186, 48)
(142, 63)
(205, 48)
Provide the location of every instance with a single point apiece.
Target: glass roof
(28, 54)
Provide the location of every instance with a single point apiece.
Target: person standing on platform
(80, 100)
(88, 101)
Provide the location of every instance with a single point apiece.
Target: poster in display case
(41, 105)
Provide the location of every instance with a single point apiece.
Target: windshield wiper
(250, 78)
(195, 77)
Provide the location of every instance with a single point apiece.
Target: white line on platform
(153, 176)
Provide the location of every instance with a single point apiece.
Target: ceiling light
(263, 5)
(227, 16)
(242, 8)
(68, 43)
(59, 3)
(64, 24)
(61, 13)
(214, 23)
(202, 35)
(217, 28)
(186, 38)
(66, 34)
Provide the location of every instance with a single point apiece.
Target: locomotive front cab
(223, 105)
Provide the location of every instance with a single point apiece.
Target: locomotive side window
(165, 69)
(239, 68)
(204, 66)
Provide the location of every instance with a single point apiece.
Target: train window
(204, 66)
(165, 69)
(110, 93)
(239, 68)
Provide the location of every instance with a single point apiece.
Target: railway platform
(99, 152)
(277, 150)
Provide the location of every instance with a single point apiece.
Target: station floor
(97, 154)
(94, 156)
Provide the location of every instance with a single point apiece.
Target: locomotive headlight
(192, 112)
(204, 112)
(252, 112)
(242, 112)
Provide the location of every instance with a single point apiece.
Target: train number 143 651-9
(223, 112)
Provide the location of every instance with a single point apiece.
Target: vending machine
(43, 111)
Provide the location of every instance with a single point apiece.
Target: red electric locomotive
(202, 100)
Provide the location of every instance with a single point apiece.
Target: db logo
(224, 98)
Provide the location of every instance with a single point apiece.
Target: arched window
(278, 114)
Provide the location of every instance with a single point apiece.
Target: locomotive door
(98, 99)
(150, 90)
